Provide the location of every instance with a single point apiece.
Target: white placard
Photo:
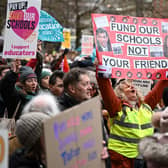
(21, 29)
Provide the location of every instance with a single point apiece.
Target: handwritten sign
(74, 138)
(144, 86)
(134, 47)
(3, 148)
(21, 30)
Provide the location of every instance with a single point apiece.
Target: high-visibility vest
(128, 127)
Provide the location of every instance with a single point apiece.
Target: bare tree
(139, 8)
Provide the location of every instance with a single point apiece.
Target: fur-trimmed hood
(154, 149)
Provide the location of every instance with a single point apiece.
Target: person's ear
(71, 88)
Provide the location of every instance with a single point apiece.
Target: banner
(67, 39)
(74, 138)
(3, 148)
(87, 45)
(49, 29)
(131, 47)
(21, 29)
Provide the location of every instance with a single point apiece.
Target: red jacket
(113, 104)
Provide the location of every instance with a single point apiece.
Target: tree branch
(91, 10)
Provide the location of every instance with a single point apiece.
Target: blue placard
(49, 29)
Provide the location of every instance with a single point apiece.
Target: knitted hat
(29, 128)
(26, 73)
(44, 74)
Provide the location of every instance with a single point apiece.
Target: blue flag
(49, 29)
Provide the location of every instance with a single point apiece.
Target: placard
(49, 28)
(87, 45)
(3, 148)
(144, 86)
(21, 29)
(74, 138)
(133, 47)
(67, 39)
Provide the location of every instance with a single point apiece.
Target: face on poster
(134, 47)
(21, 29)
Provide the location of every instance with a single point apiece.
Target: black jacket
(18, 160)
(66, 101)
(11, 95)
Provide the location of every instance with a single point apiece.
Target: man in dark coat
(76, 88)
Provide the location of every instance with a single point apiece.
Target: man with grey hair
(44, 102)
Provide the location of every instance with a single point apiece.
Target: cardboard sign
(74, 138)
(87, 45)
(67, 39)
(133, 47)
(3, 148)
(144, 86)
(49, 28)
(21, 29)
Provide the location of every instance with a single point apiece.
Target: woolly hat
(44, 74)
(26, 73)
(29, 128)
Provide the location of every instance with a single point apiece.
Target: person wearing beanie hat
(16, 92)
(29, 131)
(42, 103)
(26, 73)
(29, 128)
(44, 80)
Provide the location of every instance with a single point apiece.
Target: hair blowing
(120, 94)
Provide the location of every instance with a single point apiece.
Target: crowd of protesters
(39, 89)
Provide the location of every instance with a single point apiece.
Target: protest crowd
(134, 127)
